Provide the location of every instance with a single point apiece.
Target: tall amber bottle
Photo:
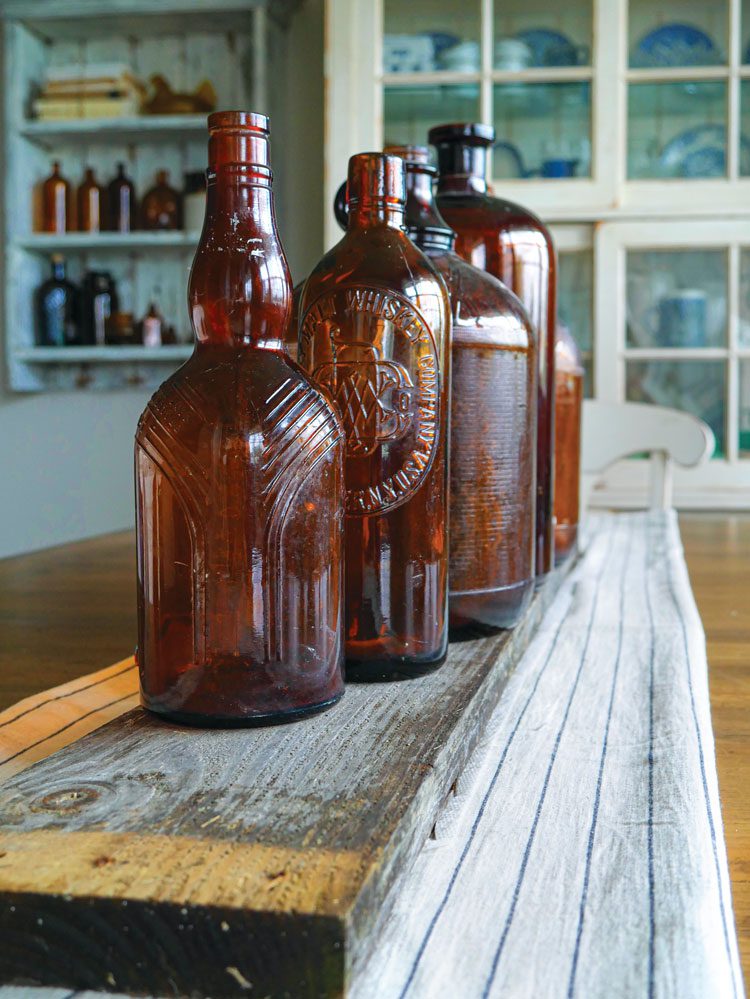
(57, 203)
(493, 421)
(513, 245)
(239, 480)
(568, 408)
(374, 330)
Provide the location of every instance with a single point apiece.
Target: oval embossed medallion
(375, 354)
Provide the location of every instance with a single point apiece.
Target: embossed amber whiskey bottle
(493, 421)
(239, 480)
(513, 245)
(568, 408)
(374, 331)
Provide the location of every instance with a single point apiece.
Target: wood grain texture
(717, 549)
(293, 837)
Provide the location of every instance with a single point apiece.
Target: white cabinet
(232, 43)
(626, 125)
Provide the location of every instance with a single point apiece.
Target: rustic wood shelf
(83, 355)
(148, 858)
(139, 128)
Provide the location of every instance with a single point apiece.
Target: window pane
(542, 33)
(682, 33)
(745, 33)
(410, 112)
(676, 298)
(542, 130)
(575, 305)
(677, 129)
(697, 387)
(744, 331)
(744, 442)
(429, 35)
(744, 143)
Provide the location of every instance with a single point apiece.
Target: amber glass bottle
(374, 330)
(239, 480)
(512, 244)
(120, 202)
(161, 207)
(568, 407)
(90, 204)
(493, 422)
(57, 203)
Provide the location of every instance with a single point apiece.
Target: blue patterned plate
(676, 45)
(552, 48)
(701, 152)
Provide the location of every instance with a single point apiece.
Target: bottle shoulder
(477, 211)
(484, 310)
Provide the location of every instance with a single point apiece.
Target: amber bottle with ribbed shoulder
(569, 376)
(493, 421)
(374, 331)
(239, 480)
(511, 243)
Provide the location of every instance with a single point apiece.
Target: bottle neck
(58, 270)
(366, 214)
(240, 290)
(424, 223)
(462, 168)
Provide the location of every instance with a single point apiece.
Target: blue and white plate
(552, 48)
(676, 45)
(701, 152)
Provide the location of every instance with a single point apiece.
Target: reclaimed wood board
(152, 859)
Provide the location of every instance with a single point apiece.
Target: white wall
(66, 459)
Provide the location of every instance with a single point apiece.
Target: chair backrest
(616, 430)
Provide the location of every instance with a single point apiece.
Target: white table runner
(583, 853)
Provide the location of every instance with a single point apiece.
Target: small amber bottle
(375, 333)
(90, 204)
(161, 207)
(239, 481)
(569, 376)
(57, 203)
(493, 421)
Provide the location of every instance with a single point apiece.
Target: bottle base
(395, 668)
(566, 541)
(495, 609)
(195, 720)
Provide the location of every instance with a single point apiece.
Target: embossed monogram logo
(373, 395)
(373, 351)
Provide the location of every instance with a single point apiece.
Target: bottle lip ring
(243, 121)
(469, 133)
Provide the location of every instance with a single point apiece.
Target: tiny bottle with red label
(374, 322)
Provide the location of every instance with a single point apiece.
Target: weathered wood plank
(149, 858)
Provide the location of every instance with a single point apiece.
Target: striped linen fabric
(583, 852)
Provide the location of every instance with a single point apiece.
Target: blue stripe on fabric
(599, 782)
(706, 795)
(485, 799)
(540, 804)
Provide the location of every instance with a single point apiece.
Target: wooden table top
(71, 610)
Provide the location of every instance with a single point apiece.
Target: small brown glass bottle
(161, 207)
(57, 203)
(239, 481)
(493, 422)
(90, 204)
(569, 376)
(510, 243)
(120, 202)
(374, 331)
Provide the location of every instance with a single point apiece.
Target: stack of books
(96, 90)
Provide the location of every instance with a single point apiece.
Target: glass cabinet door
(673, 322)
(575, 292)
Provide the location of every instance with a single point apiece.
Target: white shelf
(142, 128)
(83, 355)
(44, 242)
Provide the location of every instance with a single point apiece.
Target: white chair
(615, 430)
